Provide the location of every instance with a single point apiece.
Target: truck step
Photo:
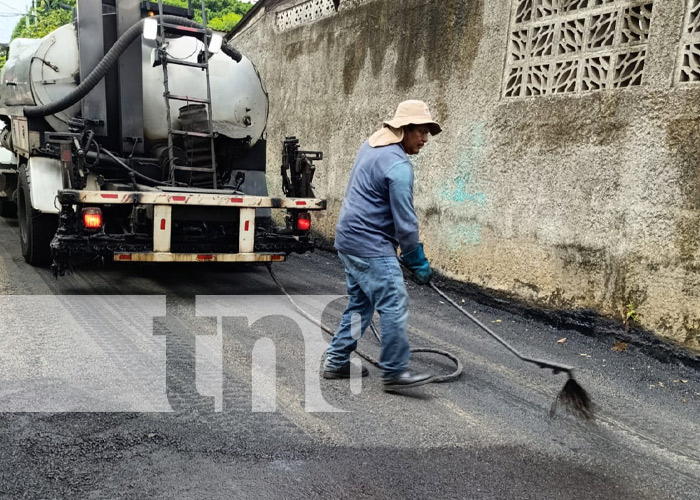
(195, 169)
(187, 98)
(178, 62)
(191, 134)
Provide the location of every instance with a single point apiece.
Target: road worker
(376, 218)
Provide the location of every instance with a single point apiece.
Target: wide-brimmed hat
(407, 113)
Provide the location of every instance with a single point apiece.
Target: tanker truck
(138, 135)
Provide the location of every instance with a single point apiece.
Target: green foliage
(215, 7)
(44, 25)
(225, 22)
(630, 315)
(50, 15)
(222, 15)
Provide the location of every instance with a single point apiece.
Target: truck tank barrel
(110, 58)
(40, 77)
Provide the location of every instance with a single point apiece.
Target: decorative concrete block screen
(690, 45)
(573, 46)
(303, 13)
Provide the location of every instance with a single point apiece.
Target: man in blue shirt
(376, 218)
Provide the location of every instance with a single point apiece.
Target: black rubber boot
(406, 380)
(343, 372)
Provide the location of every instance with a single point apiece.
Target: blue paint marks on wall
(461, 189)
(465, 234)
(461, 194)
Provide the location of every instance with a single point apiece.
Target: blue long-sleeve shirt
(377, 214)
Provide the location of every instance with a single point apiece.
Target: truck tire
(36, 229)
(8, 209)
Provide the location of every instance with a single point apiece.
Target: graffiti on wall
(574, 46)
(464, 234)
(461, 192)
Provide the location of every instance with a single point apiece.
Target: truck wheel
(36, 229)
(8, 209)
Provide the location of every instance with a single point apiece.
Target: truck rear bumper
(194, 257)
(176, 227)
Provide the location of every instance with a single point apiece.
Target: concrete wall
(575, 198)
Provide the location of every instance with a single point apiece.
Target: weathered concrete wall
(572, 200)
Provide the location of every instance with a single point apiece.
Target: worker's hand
(416, 262)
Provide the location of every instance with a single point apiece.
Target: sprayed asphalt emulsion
(572, 396)
(485, 436)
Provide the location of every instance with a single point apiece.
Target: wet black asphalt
(486, 436)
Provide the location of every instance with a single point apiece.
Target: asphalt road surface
(133, 381)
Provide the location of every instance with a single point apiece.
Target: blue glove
(416, 262)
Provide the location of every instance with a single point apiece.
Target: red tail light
(303, 221)
(92, 218)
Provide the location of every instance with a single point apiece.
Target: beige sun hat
(407, 113)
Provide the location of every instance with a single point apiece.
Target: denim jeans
(374, 283)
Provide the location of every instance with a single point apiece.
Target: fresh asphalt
(487, 435)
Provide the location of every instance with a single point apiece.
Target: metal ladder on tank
(200, 34)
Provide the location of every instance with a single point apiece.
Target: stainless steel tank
(239, 99)
(42, 71)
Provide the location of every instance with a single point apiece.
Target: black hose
(231, 52)
(132, 171)
(444, 378)
(437, 379)
(88, 144)
(110, 58)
